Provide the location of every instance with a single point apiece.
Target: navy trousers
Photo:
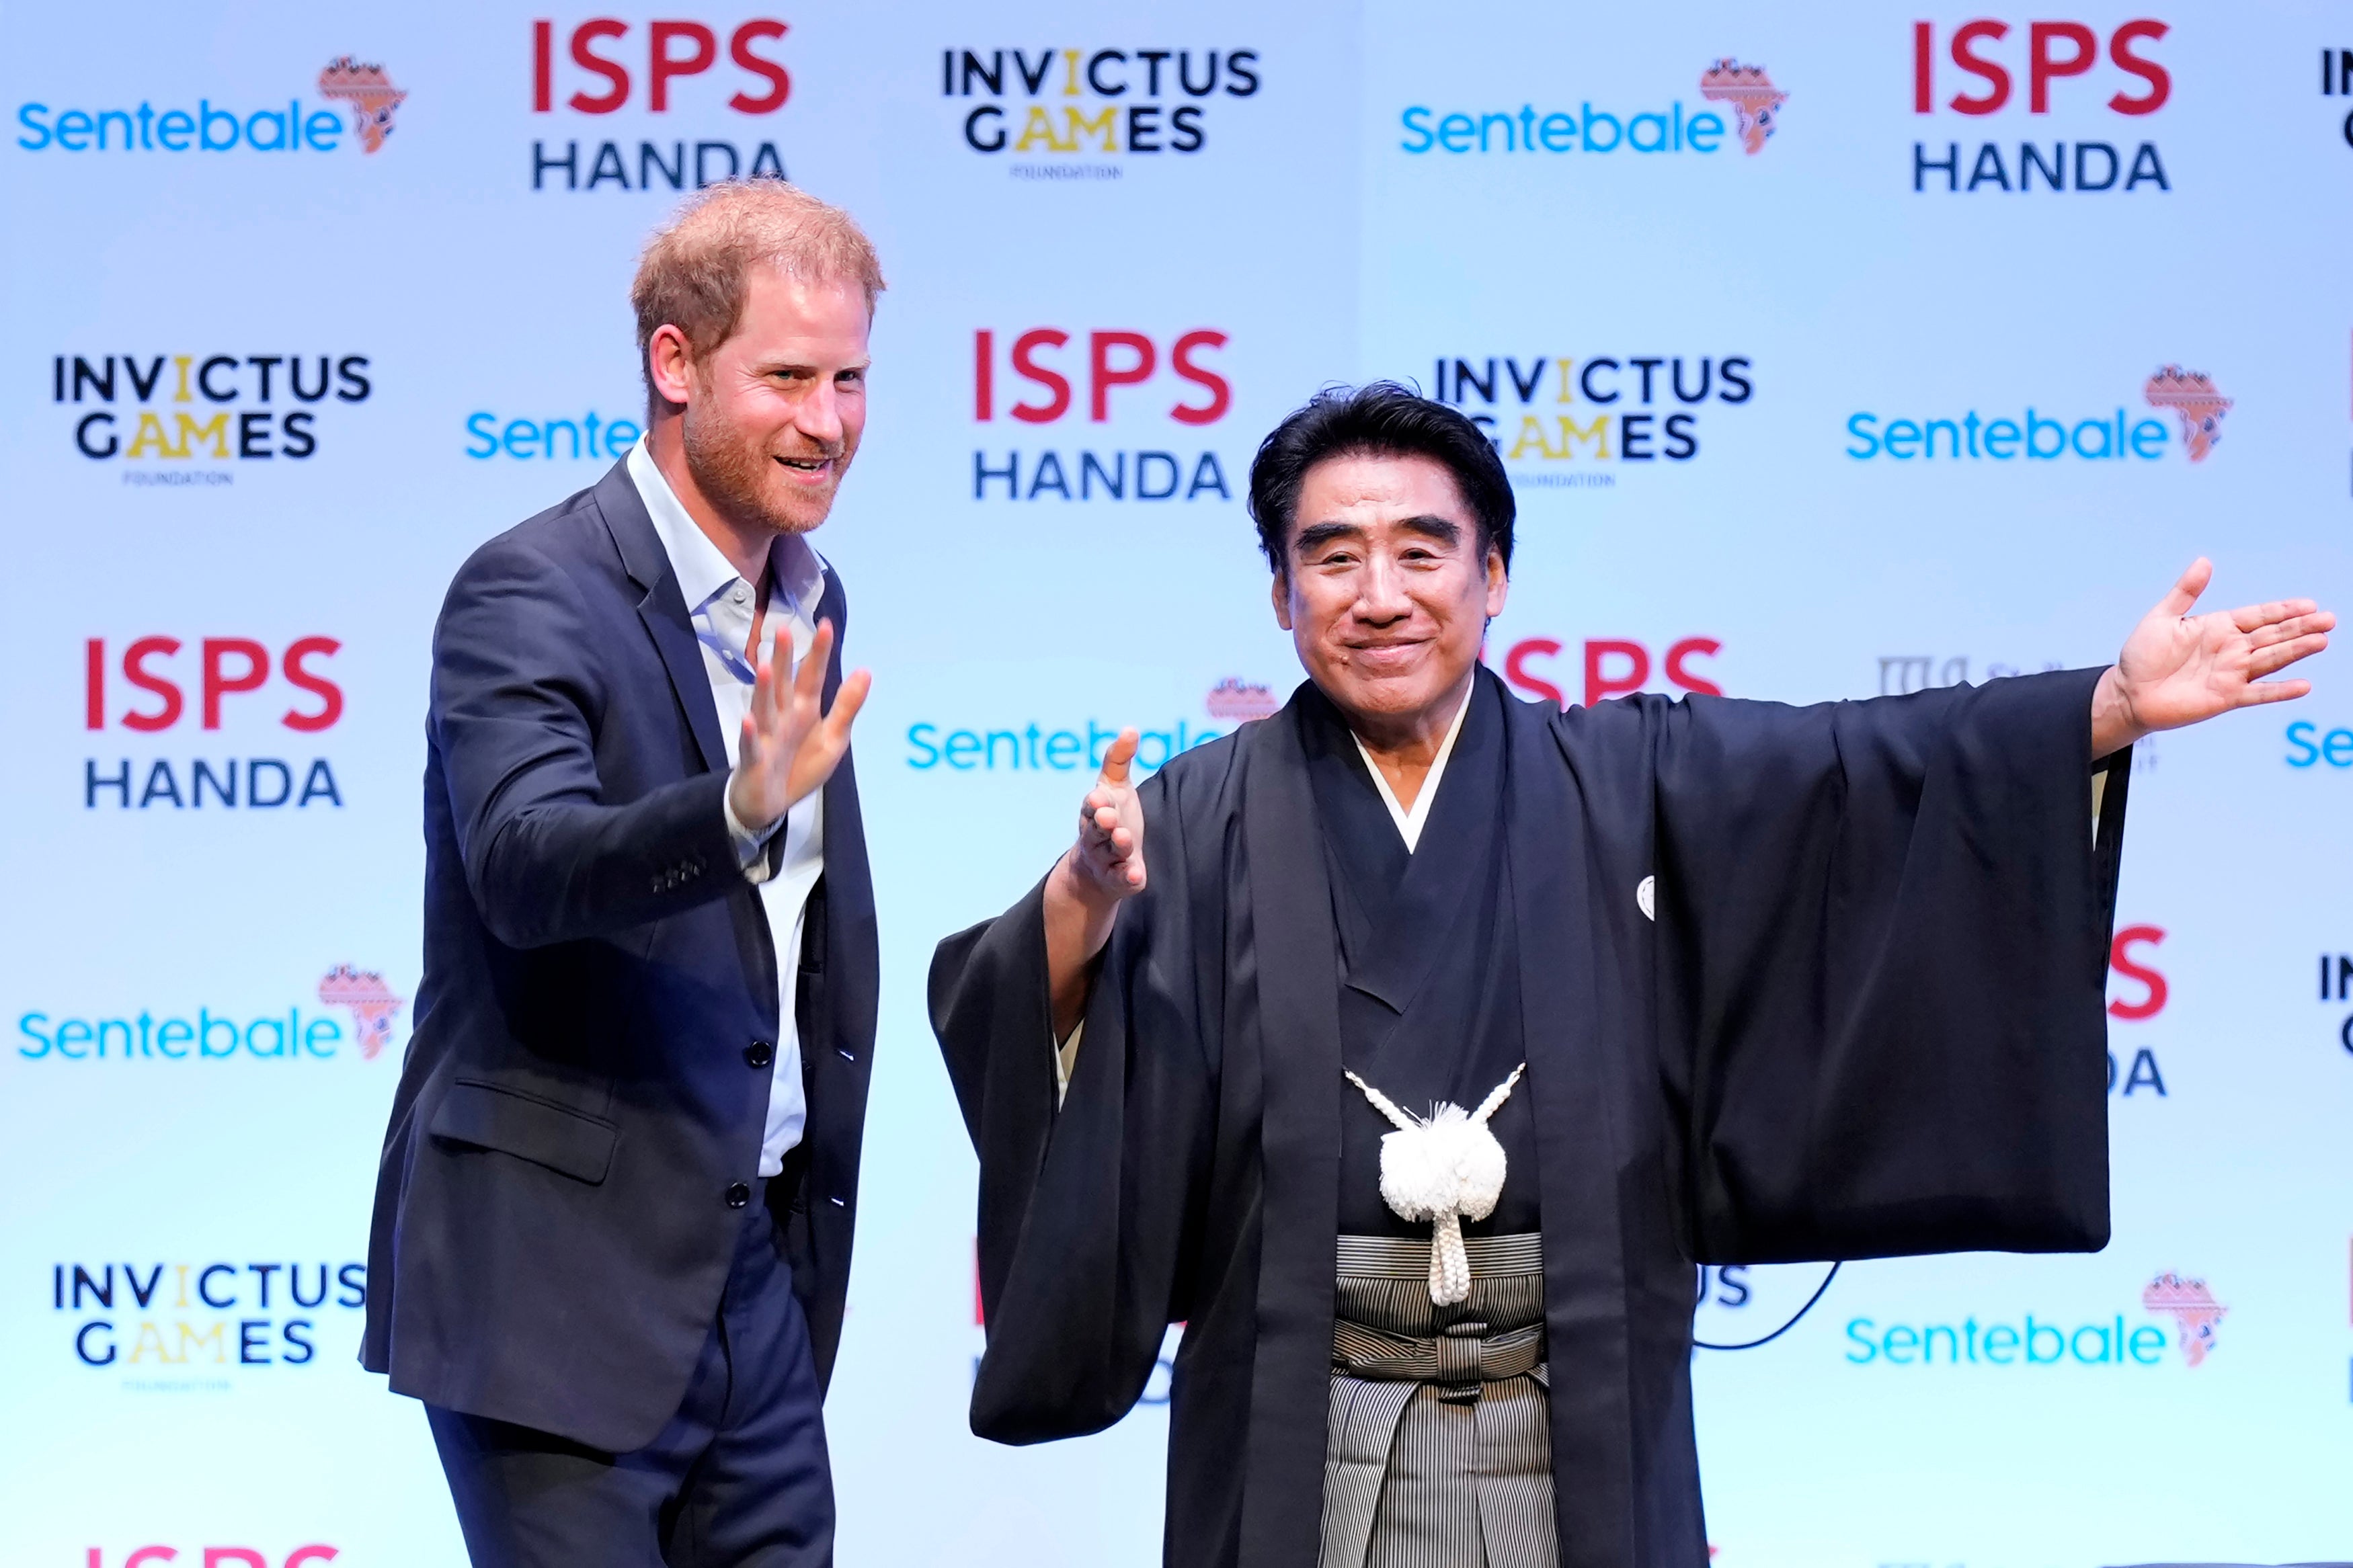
(737, 1479)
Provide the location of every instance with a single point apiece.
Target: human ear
(1280, 592)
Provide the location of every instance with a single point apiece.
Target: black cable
(1777, 1333)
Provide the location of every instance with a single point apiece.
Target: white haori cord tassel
(1444, 1169)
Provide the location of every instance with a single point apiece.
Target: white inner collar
(1408, 822)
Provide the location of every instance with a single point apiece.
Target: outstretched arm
(2177, 669)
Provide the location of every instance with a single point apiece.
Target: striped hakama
(1437, 1453)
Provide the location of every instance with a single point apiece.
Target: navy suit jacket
(552, 1222)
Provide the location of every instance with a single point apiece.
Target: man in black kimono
(1725, 981)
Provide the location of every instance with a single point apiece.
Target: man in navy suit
(613, 1220)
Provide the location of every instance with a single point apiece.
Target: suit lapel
(663, 609)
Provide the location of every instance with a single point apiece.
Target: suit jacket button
(738, 1195)
(759, 1053)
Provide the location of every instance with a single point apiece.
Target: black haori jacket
(1865, 1019)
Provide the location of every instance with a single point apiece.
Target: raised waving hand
(790, 745)
(2177, 669)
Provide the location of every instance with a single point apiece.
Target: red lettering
(984, 375)
(1599, 685)
(1222, 393)
(2160, 84)
(302, 1554)
(612, 71)
(218, 683)
(2120, 960)
(2042, 69)
(1101, 374)
(93, 686)
(542, 67)
(780, 84)
(1057, 385)
(135, 670)
(1680, 673)
(330, 695)
(1923, 38)
(143, 1556)
(662, 65)
(1516, 669)
(215, 1556)
(1997, 77)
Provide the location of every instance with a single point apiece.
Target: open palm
(2177, 669)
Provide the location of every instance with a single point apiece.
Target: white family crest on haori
(1646, 896)
(1446, 1169)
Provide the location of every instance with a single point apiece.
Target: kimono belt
(1437, 1451)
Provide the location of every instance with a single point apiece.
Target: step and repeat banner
(1833, 350)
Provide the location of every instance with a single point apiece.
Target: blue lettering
(29, 116)
(477, 425)
(1859, 1330)
(24, 1028)
(1420, 129)
(1855, 427)
(919, 736)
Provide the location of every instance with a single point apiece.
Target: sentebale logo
(370, 93)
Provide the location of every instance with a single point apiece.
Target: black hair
(1380, 419)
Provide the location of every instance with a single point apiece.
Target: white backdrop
(1261, 200)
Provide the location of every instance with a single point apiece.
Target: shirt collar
(702, 571)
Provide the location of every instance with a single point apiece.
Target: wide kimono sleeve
(1086, 1210)
(1883, 935)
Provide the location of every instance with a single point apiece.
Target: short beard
(732, 474)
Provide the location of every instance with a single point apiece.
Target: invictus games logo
(168, 418)
(201, 1321)
(211, 127)
(1042, 112)
(1572, 420)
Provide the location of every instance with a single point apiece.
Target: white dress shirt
(722, 606)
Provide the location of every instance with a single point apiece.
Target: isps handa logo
(1576, 421)
(1161, 395)
(205, 1034)
(1617, 129)
(309, 1555)
(211, 1318)
(2177, 1312)
(2083, 117)
(2030, 435)
(141, 687)
(362, 104)
(1051, 113)
(669, 71)
(191, 420)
